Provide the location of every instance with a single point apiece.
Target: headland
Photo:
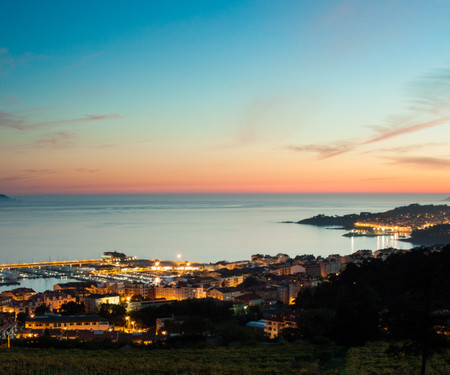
(424, 224)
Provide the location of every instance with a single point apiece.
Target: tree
(196, 325)
(413, 316)
(136, 298)
(20, 318)
(72, 308)
(290, 334)
(316, 325)
(115, 313)
(41, 309)
(171, 326)
(357, 316)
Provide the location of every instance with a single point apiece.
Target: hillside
(414, 215)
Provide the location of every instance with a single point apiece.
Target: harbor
(113, 268)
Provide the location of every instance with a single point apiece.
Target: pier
(49, 264)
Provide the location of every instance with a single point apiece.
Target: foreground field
(271, 359)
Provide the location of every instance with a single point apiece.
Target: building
(72, 322)
(19, 294)
(53, 300)
(313, 269)
(115, 257)
(279, 321)
(249, 299)
(286, 269)
(147, 291)
(93, 301)
(331, 265)
(230, 279)
(179, 293)
(139, 305)
(76, 286)
(224, 294)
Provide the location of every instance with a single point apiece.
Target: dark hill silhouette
(5, 200)
(347, 221)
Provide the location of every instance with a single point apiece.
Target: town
(109, 295)
(401, 221)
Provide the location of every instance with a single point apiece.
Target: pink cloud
(390, 133)
(9, 120)
(431, 99)
(422, 162)
(57, 140)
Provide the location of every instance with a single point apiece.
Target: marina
(41, 277)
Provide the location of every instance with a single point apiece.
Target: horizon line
(227, 193)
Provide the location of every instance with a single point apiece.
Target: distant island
(5, 200)
(425, 224)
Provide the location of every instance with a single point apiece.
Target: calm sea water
(204, 228)
(38, 285)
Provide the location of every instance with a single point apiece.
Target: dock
(78, 263)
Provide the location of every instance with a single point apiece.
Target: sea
(198, 228)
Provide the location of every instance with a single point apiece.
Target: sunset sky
(224, 96)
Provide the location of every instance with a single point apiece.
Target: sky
(224, 96)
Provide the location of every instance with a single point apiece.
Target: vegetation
(374, 359)
(298, 358)
(376, 317)
(114, 313)
(435, 234)
(72, 308)
(404, 299)
(209, 309)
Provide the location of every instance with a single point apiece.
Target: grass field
(261, 359)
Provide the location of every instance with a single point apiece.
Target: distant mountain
(4, 199)
(446, 199)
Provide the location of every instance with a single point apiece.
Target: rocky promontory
(425, 224)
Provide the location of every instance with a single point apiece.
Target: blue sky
(224, 96)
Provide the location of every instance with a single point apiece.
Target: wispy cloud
(86, 59)
(326, 151)
(406, 149)
(387, 133)
(430, 107)
(87, 170)
(10, 100)
(9, 62)
(254, 119)
(422, 162)
(10, 120)
(259, 121)
(40, 171)
(58, 140)
(19, 122)
(27, 174)
(118, 144)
